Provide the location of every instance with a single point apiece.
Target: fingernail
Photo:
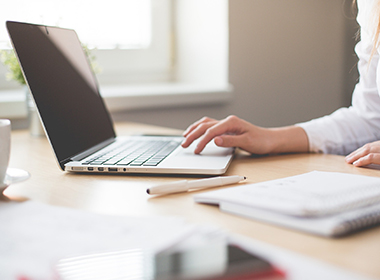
(183, 143)
(218, 141)
(197, 150)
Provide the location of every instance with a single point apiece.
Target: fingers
(368, 159)
(368, 154)
(196, 132)
(196, 124)
(359, 153)
(229, 132)
(240, 141)
(206, 128)
(230, 125)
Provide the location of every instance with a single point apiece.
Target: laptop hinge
(92, 150)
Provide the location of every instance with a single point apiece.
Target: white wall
(201, 53)
(289, 61)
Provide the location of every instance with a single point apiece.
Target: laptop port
(112, 169)
(100, 168)
(90, 168)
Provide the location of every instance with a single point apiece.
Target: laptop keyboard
(134, 153)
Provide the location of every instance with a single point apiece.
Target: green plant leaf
(9, 59)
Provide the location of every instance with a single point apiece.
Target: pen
(185, 185)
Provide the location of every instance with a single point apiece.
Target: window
(103, 24)
(179, 52)
(131, 37)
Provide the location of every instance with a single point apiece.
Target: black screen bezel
(72, 111)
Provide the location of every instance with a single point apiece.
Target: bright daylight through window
(131, 37)
(151, 53)
(104, 25)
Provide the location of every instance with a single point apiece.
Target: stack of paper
(325, 203)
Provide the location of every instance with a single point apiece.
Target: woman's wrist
(288, 139)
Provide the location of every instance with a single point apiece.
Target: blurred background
(271, 62)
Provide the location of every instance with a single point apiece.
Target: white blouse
(350, 128)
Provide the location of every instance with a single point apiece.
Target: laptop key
(150, 153)
(151, 164)
(135, 163)
(96, 163)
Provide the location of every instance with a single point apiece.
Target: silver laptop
(76, 121)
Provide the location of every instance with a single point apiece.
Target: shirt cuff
(316, 142)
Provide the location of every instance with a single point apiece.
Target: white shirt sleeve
(350, 128)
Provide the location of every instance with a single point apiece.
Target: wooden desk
(125, 195)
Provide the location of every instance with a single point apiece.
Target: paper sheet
(35, 236)
(315, 193)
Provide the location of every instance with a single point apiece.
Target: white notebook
(325, 203)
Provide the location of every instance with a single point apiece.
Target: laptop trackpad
(210, 150)
(211, 158)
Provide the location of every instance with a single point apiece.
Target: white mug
(5, 148)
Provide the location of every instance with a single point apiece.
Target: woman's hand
(235, 132)
(229, 132)
(368, 154)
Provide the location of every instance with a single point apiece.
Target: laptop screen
(63, 86)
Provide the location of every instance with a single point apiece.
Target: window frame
(197, 79)
(151, 64)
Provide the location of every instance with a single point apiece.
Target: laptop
(76, 121)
